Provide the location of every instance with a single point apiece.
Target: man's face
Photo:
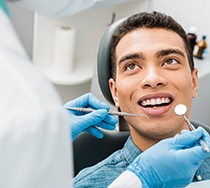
(152, 77)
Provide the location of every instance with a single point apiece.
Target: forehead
(149, 41)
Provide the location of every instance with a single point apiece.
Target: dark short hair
(149, 20)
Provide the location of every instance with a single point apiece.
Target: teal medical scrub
(3, 5)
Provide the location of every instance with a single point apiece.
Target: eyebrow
(131, 56)
(168, 52)
(157, 54)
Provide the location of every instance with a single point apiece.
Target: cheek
(126, 88)
(125, 84)
(185, 86)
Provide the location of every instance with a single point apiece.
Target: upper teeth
(156, 101)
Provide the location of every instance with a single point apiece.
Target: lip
(156, 111)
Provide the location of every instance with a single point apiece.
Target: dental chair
(89, 150)
(104, 67)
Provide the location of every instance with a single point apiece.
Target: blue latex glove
(171, 162)
(83, 121)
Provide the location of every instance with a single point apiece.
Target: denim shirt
(105, 172)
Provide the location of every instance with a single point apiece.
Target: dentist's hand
(171, 162)
(83, 121)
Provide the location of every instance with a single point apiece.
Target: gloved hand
(83, 121)
(172, 162)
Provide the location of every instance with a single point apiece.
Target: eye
(131, 66)
(171, 61)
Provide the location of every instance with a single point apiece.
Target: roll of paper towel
(63, 56)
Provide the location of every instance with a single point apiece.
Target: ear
(113, 90)
(195, 82)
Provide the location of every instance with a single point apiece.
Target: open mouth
(155, 102)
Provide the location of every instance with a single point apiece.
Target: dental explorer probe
(109, 112)
(180, 110)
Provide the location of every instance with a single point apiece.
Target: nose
(153, 78)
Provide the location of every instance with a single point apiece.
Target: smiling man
(152, 75)
(152, 72)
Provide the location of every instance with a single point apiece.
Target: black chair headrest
(104, 60)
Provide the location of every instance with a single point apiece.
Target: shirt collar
(130, 151)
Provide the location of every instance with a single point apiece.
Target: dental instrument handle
(124, 114)
(110, 112)
(202, 143)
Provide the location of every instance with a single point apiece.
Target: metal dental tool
(180, 110)
(110, 112)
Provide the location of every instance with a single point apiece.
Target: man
(152, 72)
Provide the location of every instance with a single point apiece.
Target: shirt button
(199, 178)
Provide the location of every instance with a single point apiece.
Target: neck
(142, 142)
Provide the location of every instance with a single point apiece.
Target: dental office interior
(43, 38)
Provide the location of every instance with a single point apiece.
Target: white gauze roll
(63, 57)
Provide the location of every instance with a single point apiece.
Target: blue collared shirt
(104, 173)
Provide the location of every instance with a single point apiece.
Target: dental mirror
(180, 109)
